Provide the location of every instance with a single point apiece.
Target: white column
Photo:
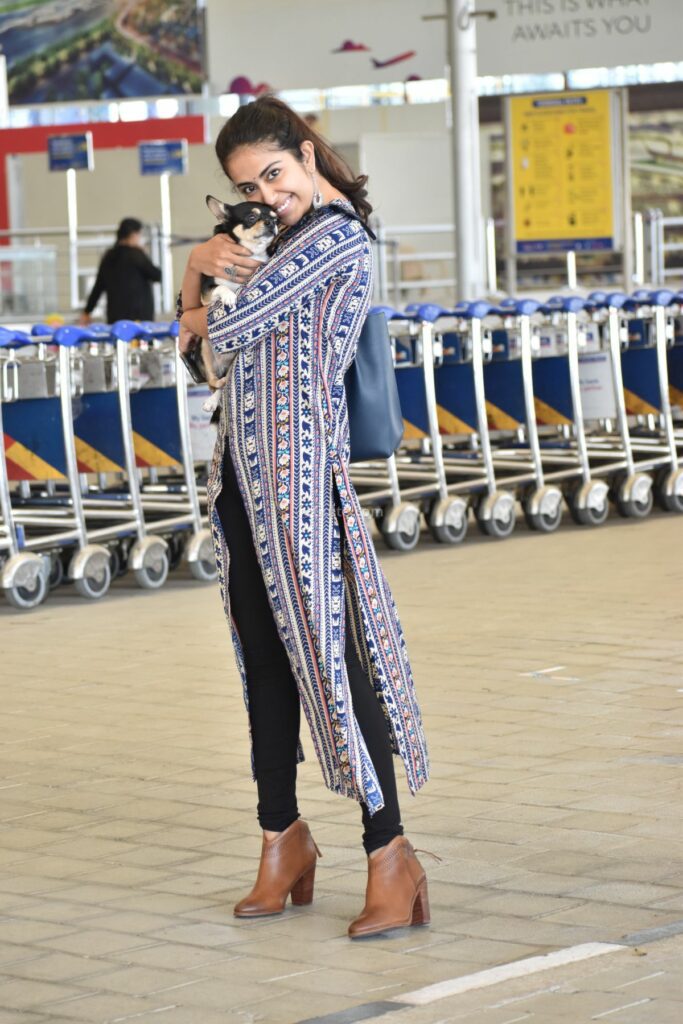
(167, 299)
(4, 99)
(72, 221)
(469, 228)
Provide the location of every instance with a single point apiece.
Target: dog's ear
(221, 211)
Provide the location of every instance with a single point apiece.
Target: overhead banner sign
(319, 44)
(563, 163)
(163, 156)
(70, 152)
(542, 36)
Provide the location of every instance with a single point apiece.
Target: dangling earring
(317, 195)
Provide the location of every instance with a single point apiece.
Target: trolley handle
(10, 393)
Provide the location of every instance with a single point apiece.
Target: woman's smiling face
(265, 174)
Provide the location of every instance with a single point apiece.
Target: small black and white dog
(253, 225)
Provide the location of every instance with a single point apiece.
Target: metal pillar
(638, 249)
(72, 220)
(625, 184)
(462, 58)
(4, 99)
(166, 252)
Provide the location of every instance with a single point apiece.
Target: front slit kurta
(294, 333)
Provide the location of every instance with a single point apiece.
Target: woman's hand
(187, 340)
(221, 252)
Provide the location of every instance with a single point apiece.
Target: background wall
(403, 148)
(116, 189)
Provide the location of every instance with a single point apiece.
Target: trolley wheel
(26, 581)
(588, 503)
(669, 490)
(89, 570)
(591, 515)
(401, 527)
(200, 556)
(149, 561)
(496, 515)
(498, 528)
(543, 509)
(447, 520)
(95, 585)
(57, 572)
(635, 509)
(634, 497)
(544, 522)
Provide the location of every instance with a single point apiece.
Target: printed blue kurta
(294, 332)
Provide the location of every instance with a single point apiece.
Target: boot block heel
(421, 905)
(302, 891)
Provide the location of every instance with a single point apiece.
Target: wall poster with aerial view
(68, 50)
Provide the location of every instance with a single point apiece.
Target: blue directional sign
(70, 152)
(163, 156)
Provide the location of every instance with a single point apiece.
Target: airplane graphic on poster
(394, 60)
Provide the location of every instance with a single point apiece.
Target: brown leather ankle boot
(396, 894)
(287, 866)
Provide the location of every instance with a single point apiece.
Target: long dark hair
(268, 119)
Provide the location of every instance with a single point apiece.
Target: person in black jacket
(126, 274)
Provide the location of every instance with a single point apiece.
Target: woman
(313, 621)
(126, 274)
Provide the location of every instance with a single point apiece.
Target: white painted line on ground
(494, 975)
(617, 1009)
(524, 998)
(295, 974)
(543, 671)
(637, 981)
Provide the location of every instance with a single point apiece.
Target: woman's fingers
(236, 268)
(186, 339)
(222, 257)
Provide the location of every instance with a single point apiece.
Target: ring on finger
(230, 272)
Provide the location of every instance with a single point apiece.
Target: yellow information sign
(562, 155)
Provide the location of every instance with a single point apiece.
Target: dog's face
(253, 225)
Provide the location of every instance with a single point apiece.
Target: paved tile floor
(551, 675)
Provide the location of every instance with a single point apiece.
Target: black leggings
(274, 706)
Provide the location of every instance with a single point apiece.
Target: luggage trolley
(121, 428)
(564, 331)
(98, 436)
(675, 366)
(511, 411)
(160, 423)
(611, 452)
(377, 483)
(647, 395)
(40, 382)
(463, 346)
(23, 574)
(419, 463)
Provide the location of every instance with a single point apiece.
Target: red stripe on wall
(121, 135)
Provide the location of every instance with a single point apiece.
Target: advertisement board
(163, 156)
(543, 36)
(59, 51)
(319, 44)
(563, 169)
(70, 152)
